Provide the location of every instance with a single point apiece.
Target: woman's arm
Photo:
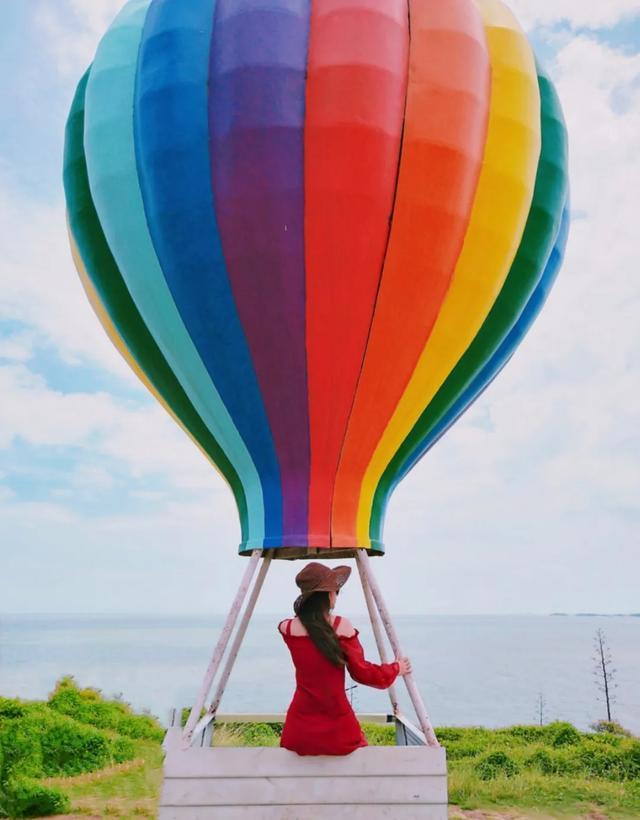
(378, 675)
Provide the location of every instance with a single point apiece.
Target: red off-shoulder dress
(320, 720)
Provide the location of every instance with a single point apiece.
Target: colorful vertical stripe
(317, 231)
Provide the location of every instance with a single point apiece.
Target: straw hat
(316, 577)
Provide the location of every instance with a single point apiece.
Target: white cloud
(41, 289)
(142, 438)
(18, 347)
(71, 30)
(590, 13)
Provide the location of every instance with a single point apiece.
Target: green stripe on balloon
(116, 299)
(536, 245)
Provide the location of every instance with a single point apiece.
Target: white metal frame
(377, 612)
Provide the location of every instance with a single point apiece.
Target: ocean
(472, 670)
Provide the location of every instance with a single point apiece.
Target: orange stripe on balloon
(356, 86)
(501, 207)
(444, 137)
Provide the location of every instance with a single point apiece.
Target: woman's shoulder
(344, 628)
(291, 627)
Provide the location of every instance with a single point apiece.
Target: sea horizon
(487, 670)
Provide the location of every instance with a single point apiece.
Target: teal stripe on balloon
(116, 300)
(113, 176)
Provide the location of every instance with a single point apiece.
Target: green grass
(128, 793)
(103, 760)
(53, 752)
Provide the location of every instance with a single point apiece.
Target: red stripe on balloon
(443, 145)
(356, 86)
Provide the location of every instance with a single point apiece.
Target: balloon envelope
(316, 229)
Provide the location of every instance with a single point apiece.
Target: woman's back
(320, 719)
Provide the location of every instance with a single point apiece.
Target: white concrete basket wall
(229, 783)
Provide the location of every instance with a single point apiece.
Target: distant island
(596, 614)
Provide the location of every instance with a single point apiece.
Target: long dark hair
(313, 615)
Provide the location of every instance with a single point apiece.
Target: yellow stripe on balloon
(120, 344)
(502, 202)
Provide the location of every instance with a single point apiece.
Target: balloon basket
(294, 553)
(408, 780)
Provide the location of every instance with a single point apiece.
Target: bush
(458, 751)
(563, 734)
(24, 797)
(606, 763)
(548, 763)
(259, 734)
(495, 764)
(69, 749)
(610, 727)
(43, 743)
(122, 750)
(528, 734)
(87, 706)
(21, 750)
(10, 708)
(450, 734)
(379, 734)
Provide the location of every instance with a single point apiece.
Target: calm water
(482, 670)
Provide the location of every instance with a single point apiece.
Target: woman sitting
(320, 720)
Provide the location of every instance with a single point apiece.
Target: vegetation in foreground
(82, 753)
(52, 752)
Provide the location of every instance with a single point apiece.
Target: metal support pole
(421, 713)
(221, 646)
(377, 633)
(235, 646)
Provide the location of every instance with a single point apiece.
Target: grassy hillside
(80, 753)
(44, 747)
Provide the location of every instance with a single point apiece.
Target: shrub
(24, 797)
(379, 734)
(43, 743)
(11, 708)
(448, 734)
(21, 750)
(610, 727)
(495, 764)
(87, 706)
(458, 751)
(528, 734)
(605, 763)
(549, 763)
(122, 749)
(631, 761)
(563, 734)
(259, 734)
(69, 749)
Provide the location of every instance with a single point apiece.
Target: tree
(603, 671)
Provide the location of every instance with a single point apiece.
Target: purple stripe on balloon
(256, 120)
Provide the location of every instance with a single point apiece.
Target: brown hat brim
(334, 579)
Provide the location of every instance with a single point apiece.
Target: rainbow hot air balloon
(317, 230)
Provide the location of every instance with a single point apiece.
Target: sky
(530, 504)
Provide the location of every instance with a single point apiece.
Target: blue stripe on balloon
(256, 120)
(502, 355)
(113, 177)
(172, 142)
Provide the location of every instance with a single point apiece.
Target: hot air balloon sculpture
(316, 230)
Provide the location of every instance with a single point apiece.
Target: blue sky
(530, 504)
